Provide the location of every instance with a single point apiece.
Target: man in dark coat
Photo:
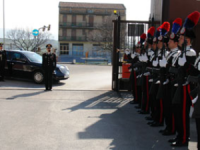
(2, 62)
(49, 65)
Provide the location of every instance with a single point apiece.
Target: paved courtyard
(81, 113)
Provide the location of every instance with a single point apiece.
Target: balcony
(78, 25)
(85, 12)
(73, 38)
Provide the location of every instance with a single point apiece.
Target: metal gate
(126, 34)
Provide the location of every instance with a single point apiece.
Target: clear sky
(34, 14)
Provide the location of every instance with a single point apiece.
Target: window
(84, 17)
(8, 55)
(64, 49)
(77, 49)
(18, 57)
(97, 47)
(90, 11)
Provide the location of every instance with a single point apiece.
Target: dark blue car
(25, 64)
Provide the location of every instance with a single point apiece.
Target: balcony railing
(72, 38)
(78, 24)
(84, 12)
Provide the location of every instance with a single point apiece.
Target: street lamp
(44, 27)
(3, 23)
(118, 28)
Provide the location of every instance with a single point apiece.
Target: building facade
(169, 10)
(77, 21)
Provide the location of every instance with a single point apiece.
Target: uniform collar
(174, 49)
(137, 54)
(149, 49)
(188, 47)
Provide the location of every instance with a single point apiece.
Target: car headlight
(63, 69)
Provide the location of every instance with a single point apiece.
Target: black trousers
(167, 107)
(157, 105)
(145, 96)
(134, 86)
(48, 79)
(151, 104)
(181, 114)
(198, 132)
(2, 71)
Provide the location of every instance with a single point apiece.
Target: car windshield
(34, 57)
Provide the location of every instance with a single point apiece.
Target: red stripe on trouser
(135, 84)
(184, 114)
(191, 98)
(147, 88)
(161, 111)
(173, 124)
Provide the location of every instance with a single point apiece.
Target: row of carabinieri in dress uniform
(164, 78)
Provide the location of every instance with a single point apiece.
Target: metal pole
(3, 23)
(118, 46)
(114, 55)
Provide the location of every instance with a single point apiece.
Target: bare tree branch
(24, 39)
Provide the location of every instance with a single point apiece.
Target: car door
(20, 65)
(7, 66)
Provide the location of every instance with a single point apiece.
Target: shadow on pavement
(108, 100)
(24, 95)
(127, 129)
(24, 83)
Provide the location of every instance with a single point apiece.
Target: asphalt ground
(87, 116)
(82, 77)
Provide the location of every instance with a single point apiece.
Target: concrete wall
(156, 9)
(173, 9)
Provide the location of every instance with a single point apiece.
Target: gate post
(118, 46)
(114, 56)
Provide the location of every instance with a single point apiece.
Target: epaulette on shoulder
(191, 52)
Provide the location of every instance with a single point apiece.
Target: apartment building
(78, 20)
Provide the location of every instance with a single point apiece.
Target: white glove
(127, 52)
(130, 70)
(140, 58)
(195, 100)
(163, 62)
(166, 82)
(155, 62)
(150, 80)
(176, 84)
(186, 83)
(138, 76)
(135, 69)
(145, 58)
(158, 82)
(146, 73)
(182, 61)
(199, 66)
(133, 55)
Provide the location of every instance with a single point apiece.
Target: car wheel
(38, 77)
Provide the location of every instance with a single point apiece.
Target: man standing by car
(48, 65)
(2, 62)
